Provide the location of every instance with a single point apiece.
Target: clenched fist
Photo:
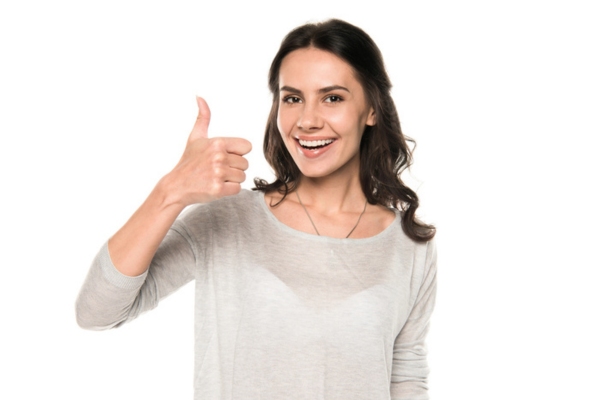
(210, 168)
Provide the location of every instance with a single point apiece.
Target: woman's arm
(109, 298)
(409, 365)
(120, 284)
(209, 169)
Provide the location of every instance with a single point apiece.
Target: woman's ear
(371, 120)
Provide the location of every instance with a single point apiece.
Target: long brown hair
(384, 152)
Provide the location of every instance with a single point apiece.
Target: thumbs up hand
(210, 168)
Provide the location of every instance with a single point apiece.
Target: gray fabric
(282, 314)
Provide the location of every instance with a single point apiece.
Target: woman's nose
(310, 118)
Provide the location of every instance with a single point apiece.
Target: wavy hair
(384, 152)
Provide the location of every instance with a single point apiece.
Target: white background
(503, 98)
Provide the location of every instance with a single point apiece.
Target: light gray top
(283, 314)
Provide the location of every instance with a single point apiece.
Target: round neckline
(280, 225)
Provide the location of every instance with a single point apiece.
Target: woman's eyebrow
(322, 90)
(290, 89)
(332, 88)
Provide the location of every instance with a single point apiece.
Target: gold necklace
(314, 226)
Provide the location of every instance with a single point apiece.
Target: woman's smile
(313, 148)
(315, 144)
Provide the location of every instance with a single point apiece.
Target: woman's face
(322, 113)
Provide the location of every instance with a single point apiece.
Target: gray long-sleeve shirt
(282, 314)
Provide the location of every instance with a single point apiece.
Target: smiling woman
(323, 298)
(323, 113)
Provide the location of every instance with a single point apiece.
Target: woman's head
(384, 152)
(322, 114)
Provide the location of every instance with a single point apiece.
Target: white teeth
(315, 143)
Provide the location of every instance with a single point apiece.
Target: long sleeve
(108, 298)
(409, 366)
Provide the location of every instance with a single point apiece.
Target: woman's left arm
(409, 365)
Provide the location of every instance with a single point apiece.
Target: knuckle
(218, 172)
(218, 143)
(216, 187)
(219, 157)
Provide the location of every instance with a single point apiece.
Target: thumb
(200, 129)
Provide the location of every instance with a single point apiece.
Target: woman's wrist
(166, 195)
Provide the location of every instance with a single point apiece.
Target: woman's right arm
(208, 170)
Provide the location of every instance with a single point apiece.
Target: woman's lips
(313, 144)
(313, 148)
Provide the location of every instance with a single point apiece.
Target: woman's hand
(209, 168)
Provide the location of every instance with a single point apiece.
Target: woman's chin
(327, 171)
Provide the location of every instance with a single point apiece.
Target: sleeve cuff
(114, 276)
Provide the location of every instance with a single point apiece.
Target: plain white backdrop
(97, 100)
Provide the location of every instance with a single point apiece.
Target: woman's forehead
(312, 69)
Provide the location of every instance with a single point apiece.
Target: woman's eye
(333, 99)
(291, 99)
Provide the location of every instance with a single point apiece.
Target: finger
(235, 175)
(231, 188)
(200, 129)
(237, 162)
(237, 146)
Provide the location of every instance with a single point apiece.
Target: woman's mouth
(314, 144)
(314, 148)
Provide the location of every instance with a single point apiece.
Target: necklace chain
(313, 224)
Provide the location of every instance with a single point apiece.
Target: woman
(313, 286)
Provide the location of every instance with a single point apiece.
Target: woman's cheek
(339, 120)
(284, 122)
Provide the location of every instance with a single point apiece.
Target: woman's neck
(330, 206)
(331, 195)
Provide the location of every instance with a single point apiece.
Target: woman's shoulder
(422, 251)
